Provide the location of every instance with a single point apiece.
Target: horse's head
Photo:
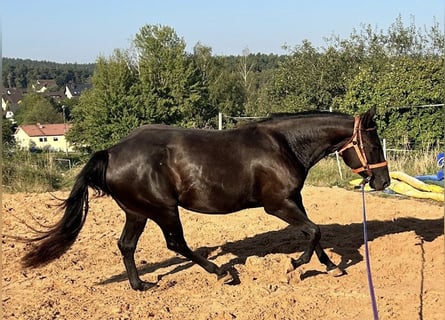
(364, 154)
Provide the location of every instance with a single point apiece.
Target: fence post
(220, 121)
(384, 148)
(338, 165)
(336, 155)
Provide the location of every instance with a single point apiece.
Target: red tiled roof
(37, 130)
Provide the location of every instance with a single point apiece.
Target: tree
(245, 70)
(37, 109)
(227, 93)
(110, 110)
(398, 89)
(8, 140)
(153, 82)
(399, 71)
(225, 90)
(309, 79)
(172, 87)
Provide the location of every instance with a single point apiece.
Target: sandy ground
(89, 282)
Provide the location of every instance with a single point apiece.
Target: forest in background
(20, 73)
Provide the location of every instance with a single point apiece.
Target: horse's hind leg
(171, 227)
(134, 225)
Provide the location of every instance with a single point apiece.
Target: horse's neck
(325, 137)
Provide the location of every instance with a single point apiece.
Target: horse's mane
(303, 114)
(277, 116)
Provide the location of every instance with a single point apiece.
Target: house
(11, 99)
(38, 136)
(74, 90)
(42, 85)
(54, 95)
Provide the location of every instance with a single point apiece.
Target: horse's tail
(55, 241)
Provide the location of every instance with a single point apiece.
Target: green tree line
(20, 73)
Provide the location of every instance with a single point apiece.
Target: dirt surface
(89, 282)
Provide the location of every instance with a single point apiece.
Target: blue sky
(81, 30)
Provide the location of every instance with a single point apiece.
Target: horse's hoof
(144, 286)
(336, 272)
(225, 278)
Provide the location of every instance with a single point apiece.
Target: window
(43, 139)
(56, 139)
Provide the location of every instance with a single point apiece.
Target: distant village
(40, 136)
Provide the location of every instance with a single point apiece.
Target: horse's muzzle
(379, 184)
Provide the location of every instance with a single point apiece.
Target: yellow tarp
(416, 183)
(404, 188)
(404, 184)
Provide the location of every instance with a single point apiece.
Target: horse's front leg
(331, 267)
(293, 212)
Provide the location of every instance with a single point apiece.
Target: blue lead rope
(368, 265)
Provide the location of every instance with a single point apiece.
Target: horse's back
(204, 142)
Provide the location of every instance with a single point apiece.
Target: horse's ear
(367, 118)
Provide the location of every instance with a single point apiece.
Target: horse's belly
(217, 199)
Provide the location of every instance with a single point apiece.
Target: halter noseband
(356, 142)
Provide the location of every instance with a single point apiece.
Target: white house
(42, 85)
(43, 136)
(75, 90)
(11, 99)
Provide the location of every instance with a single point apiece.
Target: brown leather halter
(356, 142)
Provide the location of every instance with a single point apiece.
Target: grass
(420, 162)
(23, 171)
(327, 173)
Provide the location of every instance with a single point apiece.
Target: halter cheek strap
(356, 142)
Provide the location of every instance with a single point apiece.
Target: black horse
(158, 168)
